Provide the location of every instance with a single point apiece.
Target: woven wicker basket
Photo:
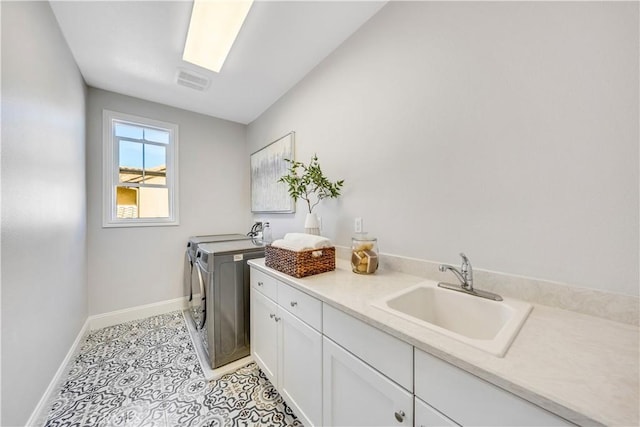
(300, 264)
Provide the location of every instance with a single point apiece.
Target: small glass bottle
(364, 254)
(267, 237)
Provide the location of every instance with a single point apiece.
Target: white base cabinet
(335, 370)
(355, 394)
(288, 350)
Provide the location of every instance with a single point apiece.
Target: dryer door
(197, 305)
(186, 278)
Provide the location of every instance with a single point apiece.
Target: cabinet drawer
(426, 416)
(305, 307)
(264, 283)
(387, 354)
(469, 400)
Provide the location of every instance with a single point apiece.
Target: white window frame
(110, 171)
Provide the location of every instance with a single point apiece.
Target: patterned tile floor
(146, 373)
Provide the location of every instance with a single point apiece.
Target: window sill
(129, 224)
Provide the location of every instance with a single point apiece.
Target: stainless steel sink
(485, 324)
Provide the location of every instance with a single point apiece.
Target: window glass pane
(126, 202)
(142, 202)
(130, 159)
(143, 150)
(153, 202)
(156, 135)
(155, 164)
(128, 131)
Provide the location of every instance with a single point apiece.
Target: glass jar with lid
(364, 254)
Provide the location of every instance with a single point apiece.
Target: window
(140, 171)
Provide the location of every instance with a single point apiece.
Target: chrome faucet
(256, 229)
(465, 276)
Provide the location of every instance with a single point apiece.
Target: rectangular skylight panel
(214, 26)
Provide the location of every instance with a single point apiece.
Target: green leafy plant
(311, 185)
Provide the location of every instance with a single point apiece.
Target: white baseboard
(103, 320)
(40, 413)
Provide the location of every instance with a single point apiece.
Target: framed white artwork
(267, 166)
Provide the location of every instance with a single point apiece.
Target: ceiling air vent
(192, 80)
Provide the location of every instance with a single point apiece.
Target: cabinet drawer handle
(260, 283)
(399, 416)
(277, 319)
(293, 303)
(272, 315)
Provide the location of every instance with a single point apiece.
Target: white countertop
(582, 368)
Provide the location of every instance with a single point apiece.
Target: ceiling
(135, 48)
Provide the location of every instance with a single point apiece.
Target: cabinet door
(264, 334)
(355, 394)
(300, 368)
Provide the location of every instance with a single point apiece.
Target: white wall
(505, 130)
(44, 291)
(128, 267)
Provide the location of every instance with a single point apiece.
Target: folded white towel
(298, 242)
(298, 236)
(308, 241)
(291, 245)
